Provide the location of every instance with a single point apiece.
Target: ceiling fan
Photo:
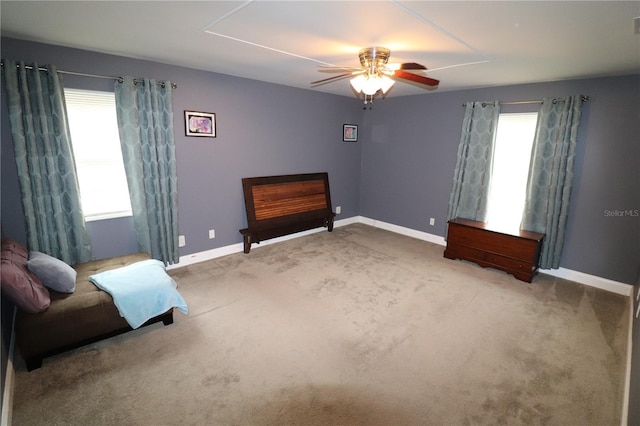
(375, 75)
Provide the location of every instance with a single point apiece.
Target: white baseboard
(590, 280)
(627, 380)
(7, 392)
(568, 274)
(202, 256)
(436, 239)
(239, 247)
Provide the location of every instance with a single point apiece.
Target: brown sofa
(71, 319)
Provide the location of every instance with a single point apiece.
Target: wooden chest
(516, 253)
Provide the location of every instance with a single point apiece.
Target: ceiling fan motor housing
(373, 58)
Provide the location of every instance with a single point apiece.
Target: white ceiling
(510, 42)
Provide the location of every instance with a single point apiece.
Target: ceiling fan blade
(412, 66)
(324, 68)
(406, 66)
(331, 79)
(431, 82)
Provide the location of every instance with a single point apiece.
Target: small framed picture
(349, 132)
(201, 124)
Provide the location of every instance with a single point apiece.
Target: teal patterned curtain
(44, 158)
(145, 121)
(551, 174)
(472, 176)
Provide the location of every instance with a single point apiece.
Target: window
(511, 158)
(96, 148)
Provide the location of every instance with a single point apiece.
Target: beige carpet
(355, 327)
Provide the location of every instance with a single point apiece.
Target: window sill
(105, 216)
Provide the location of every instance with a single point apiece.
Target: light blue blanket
(141, 291)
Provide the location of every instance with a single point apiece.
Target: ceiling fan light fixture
(357, 83)
(377, 75)
(386, 83)
(371, 84)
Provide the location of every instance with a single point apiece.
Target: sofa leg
(33, 363)
(167, 319)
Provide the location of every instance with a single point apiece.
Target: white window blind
(97, 152)
(511, 158)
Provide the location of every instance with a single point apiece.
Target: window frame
(492, 217)
(81, 163)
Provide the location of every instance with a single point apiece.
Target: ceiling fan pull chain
(369, 101)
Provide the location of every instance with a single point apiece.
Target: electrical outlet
(212, 234)
(338, 209)
(432, 221)
(181, 241)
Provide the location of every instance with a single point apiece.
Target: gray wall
(409, 154)
(400, 171)
(262, 129)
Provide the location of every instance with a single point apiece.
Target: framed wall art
(202, 124)
(349, 133)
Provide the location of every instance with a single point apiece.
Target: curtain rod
(82, 74)
(584, 99)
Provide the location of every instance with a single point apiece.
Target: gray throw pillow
(54, 273)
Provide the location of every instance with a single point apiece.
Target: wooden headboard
(285, 204)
